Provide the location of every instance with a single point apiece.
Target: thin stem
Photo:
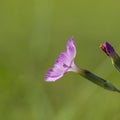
(97, 80)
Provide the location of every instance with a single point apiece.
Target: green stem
(97, 80)
(116, 62)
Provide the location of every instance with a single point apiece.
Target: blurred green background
(32, 34)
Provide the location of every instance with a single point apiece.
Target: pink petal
(71, 49)
(64, 59)
(54, 74)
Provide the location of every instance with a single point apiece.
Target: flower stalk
(116, 62)
(97, 80)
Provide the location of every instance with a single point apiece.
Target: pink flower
(64, 63)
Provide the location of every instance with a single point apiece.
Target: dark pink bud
(108, 49)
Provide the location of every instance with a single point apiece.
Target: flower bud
(110, 51)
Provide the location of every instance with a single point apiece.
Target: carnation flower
(64, 63)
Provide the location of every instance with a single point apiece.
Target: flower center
(64, 65)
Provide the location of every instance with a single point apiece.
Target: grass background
(32, 34)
